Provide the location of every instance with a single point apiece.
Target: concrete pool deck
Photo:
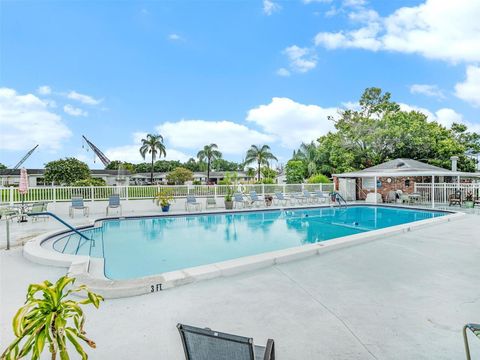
(403, 297)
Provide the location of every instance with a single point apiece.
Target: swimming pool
(139, 247)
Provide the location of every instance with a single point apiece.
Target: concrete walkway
(404, 297)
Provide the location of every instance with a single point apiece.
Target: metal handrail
(339, 198)
(59, 220)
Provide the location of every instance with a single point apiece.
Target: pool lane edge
(86, 269)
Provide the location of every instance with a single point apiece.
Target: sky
(234, 73)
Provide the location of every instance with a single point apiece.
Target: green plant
(294, 171)
(90, 182)
(197, 182)
(179, 175)
(163, 197)
(469, 196)
(266, 181)
(52, 319)
(230, 180)
(318, 179)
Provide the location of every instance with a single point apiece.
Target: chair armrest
(269, 350)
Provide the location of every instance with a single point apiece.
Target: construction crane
(24, 158)
(97, 152)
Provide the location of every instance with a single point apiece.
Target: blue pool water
(140, 247)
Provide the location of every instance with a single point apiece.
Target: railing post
(54, 196)
(444, 192)
(126, 192)
(284, 188)
(11, 195)
(91, 193)
(263, 190)
(215, 191)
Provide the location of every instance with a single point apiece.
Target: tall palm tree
(308, 154)
(153, 144)
(259, 155)
(209, 153)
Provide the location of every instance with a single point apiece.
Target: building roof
(405, 167)
(16, 172)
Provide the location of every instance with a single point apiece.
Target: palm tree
(259, 155)
(154, 145)
(209, 153)
(308, 154)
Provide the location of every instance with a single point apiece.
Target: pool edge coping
(82, 266)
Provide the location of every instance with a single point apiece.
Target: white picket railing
(98, 193)
(442, 191)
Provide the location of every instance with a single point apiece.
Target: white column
(375, 187)
(433, 192)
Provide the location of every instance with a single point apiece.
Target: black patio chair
(206, 344)
(455, 199)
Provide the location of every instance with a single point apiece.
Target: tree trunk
(208, 170)
(151, 172)
(259, 171)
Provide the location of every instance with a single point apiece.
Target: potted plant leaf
(51, 319)
(468, 203)
(229, 181)
(163, 198)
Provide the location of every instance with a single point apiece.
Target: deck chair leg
(465, 340)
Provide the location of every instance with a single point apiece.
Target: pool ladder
(339, 198)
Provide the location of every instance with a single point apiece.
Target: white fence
(99, 193)
(442, 191)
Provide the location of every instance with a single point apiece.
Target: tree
(294, 171)
(308, 154)
(66, 171)
(380, 131)
(119, 165)
(209, 153)
(2, 166)
(51, 319)
(268, 173)
(260, 156)
(224, 165)
(192, 165)
(179, 175)
(153, 144)
(250, 172)
(166, 165)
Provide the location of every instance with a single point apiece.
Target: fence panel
(443, 191)
(102, 193)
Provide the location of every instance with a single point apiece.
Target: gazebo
(398, 174)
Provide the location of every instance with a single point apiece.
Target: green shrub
(90, 182)
(318, 179)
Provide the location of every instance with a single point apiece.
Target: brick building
(394, 175)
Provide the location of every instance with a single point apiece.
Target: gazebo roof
(404, 167)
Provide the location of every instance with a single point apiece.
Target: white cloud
(84, 99)
(469, 90)
(316, 1)
(231, 138)
(269, 7)
(428, 90)
(131, 153)
(26, 120)
(74, 111)
(44, 90)
(174, 37)
(283, 72)
(301, 59)
(436, 29)
(354, 3)
(444, 116)
(292, 122)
